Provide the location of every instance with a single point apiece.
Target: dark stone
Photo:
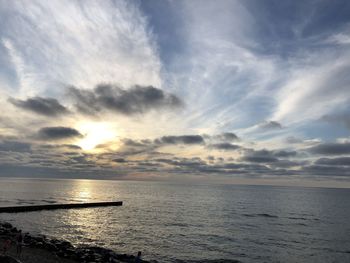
(50, 247)
(8, 259)
(7, 225)
(60, 253)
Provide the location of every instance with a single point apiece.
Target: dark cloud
(330, 149)
(227, 137)
(342, 118)
(270, 125)
(284, 153)
(60, 146)
(334, 161)
(260, 159)
(195, 166)
(186, 162)
(325, 170)
(136, 147)
(14, 146)
(211, 158)
(79, 171)
(57, 133)
(137, 99)
(183, 139)
(130, 142)
(120, 160)
(293, 140)
(43, 106)
(224, 146)
(288, 163)
(266, 156)
(260, 156)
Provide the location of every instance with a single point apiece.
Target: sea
(187, 222)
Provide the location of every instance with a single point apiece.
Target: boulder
(8, 259)
(7, 225)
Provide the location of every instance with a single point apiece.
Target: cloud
(284, 153)
(183, 162)
(183, 139)
(14, 146)
(42, 106)
(196, 165)
(293, 140)
(71, 147)
(57, 133)
(288, 163)
(341, 118)
(227, 137)
(270, 125)
(130, 142)
(259, 156)
(224, 146)
(259, 159)
(339, 38)
(330, 149)
(334, 161)
(310, 84)
(132, 147)
(326, 170)
(112, 42)
(120, 160)
(136, 100)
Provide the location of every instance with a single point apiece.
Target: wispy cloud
(67, 42)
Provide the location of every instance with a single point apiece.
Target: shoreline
(42, 249)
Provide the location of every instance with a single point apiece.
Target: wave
(261, 215)
(303, 218)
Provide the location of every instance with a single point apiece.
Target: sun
(95, 133)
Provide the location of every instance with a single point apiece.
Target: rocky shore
(63, 251)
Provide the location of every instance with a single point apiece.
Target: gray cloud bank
(135, 100)
(57, 133)
(104, 97)
(147, 156)
(331, 149)
(224, 146)
(42, 106)
(184, 139)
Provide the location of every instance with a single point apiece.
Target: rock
(64, 245)
(7, 225)
(8, 259)
(39, 244)
(60, 253)
(50, 247)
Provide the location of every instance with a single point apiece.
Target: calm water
(173, 222)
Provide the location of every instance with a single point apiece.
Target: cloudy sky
(225, 91)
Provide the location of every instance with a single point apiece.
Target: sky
(223, 91)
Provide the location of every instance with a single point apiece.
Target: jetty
(30, 208)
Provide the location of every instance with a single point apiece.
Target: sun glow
(95, 133)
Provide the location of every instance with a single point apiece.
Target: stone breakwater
(65, 249)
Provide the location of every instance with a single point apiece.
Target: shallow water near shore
(173, 222)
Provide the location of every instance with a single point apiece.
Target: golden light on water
(84, 189)
(95, 133)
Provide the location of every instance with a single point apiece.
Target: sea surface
(174, 222)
